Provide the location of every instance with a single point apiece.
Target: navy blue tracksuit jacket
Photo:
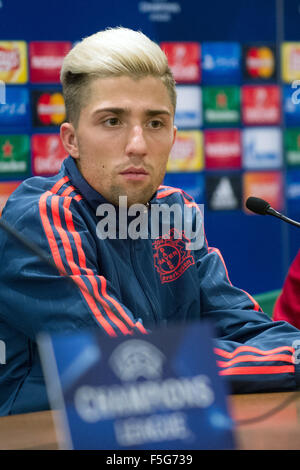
(121, 285)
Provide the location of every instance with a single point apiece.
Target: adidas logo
(223, 197)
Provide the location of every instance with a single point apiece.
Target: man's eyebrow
(155, 112)
(110, 110)
(120, 111)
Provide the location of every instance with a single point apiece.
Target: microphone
(262, 207)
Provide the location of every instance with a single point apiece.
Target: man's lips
(136, 174)
(134, 171)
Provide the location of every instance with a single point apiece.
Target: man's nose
(136, 143)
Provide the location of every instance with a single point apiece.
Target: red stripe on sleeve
(167, 192)
(49, 233)
(252, 370)
(75, 269)
(91, 277)
(119, 307)
(244, 348)
(256, 305)
(59, 184)
(58, 261)
(68, 191)
(249, 358)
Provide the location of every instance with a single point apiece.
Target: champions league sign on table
(161, 391)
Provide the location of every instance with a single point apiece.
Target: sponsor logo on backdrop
(15, 110)
(6, 189)
(221, 105)
(291, 107)
(293, 186)
(261, 104)
(45, 59)
(259, 62)
(161, 11)
(189, 106)
(186, 153)
(48, 154)
(262, 148)
(14, 154)
(222, 148)
(13, 62)
(291, 138)
(48, 108)
(184, 60)
(267, 185)
(290, 60)
(221, 63)
(224, 192)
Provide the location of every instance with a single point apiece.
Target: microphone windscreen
(257, 205)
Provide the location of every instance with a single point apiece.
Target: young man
(120, 101)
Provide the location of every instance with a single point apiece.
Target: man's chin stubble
(139, 197)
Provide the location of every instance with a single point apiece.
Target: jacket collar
(89, 194)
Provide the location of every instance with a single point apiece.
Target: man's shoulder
(35, 191)
(171, 194)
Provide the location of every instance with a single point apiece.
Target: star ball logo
(136, 359)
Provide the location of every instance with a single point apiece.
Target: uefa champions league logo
(136, 359)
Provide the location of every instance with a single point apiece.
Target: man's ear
(174, 134)
(69, 139)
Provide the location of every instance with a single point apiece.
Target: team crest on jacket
(171, 259)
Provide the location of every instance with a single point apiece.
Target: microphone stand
(273, 212)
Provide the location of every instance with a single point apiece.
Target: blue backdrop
(257, 250)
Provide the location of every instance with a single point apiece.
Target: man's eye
(112, 122)
(156, 124)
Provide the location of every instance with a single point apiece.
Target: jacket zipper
(134, 264)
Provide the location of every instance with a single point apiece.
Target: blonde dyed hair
(113, 52)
